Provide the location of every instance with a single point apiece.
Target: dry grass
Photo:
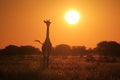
(60, 68)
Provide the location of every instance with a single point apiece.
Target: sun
(72, 17)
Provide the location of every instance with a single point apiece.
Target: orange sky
(21, 22)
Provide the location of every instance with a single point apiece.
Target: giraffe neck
(47, 34)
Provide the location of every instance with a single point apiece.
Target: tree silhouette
(79, 50)
(62, 50)
(11, 49)
(108, 48)
(22, 50)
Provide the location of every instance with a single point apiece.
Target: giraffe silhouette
(46, 46)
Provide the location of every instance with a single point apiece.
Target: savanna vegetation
(66, 63)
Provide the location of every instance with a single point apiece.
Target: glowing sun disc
(72, 17)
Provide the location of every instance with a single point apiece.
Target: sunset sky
(21, 22)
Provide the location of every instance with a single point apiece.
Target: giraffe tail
(39, 41)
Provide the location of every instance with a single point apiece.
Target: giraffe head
(47, 22)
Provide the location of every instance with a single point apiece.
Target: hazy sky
(21, 22)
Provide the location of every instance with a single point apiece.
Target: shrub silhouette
(108, 48)
(62, 50)
(79, 50)
(22, 50)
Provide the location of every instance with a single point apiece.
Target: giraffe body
(47, 46)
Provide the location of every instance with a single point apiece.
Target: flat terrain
(30, 67)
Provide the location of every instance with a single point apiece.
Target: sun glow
(72, 17)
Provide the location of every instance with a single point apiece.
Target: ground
(30, 67)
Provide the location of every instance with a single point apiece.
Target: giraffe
(46, 46)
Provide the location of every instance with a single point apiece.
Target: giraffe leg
(47, 59)
(44, 60)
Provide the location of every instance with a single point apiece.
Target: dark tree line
(104, 48)
(65, 50)
(22, 50)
